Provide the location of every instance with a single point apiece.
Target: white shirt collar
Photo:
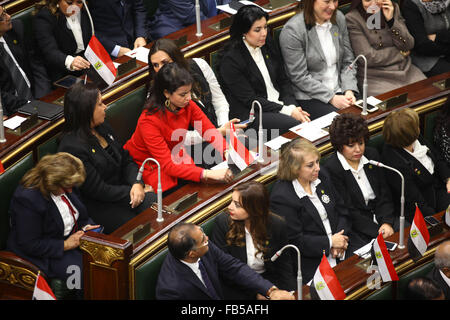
(301, 192)
(326, 25)
(252, 50)
(447, 280)
(347, 166)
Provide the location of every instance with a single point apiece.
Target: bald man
(193, 267)
(441, 271)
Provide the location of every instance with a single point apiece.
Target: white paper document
(364, 252)
(140, 54)
(14, 122)
(226, 7)
(314, 130)
(276, 143)
(373, 101)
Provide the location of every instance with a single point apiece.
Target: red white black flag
(381, 258)
(42, 290)
(325, 284)
(240, 155)
(101, 61)
(419, 237)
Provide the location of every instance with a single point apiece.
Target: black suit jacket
(116, 27)
(436, 277)
(176, 281)
(305, 227)
(279, 272)
(362, 214)
(242, 82)
(421, 187)
(16, 43)
(37, 231)
(54, 41)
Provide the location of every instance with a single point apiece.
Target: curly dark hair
(347, 128)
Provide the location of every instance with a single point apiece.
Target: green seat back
(124, 113)
(146, 276)
(384, 293)
(9, 180)
(27, 20)
(429, 125)
(345, 8)
(48, 147)
(376, 141)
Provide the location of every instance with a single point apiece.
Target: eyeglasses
(3, 15)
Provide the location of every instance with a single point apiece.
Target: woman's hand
(448, 185)
(432, 37)
(386, 230)
(79, 63)
(137, 195)
(73, 241)
(350, 96)
(339, 240)
(224, 175)
(139, 42)
(337, 253)
(300, 115)
(227, 126)
(148, 188)
(123, 50)
(340, 101)
(388, 9)
(90, 227)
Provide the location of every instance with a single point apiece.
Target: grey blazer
(305, 60)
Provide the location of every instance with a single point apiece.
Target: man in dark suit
(15, 71)
(193, 265)
(120, 25)
(441, 271)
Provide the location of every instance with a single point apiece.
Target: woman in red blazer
(161, 129)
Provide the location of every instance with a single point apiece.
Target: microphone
(401, 244)
(2, 128)
(198, 19)
(299, 270)
(89, 15)
(260, 130)
(159, 189)
(350, 67)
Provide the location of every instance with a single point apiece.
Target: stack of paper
(313, 130)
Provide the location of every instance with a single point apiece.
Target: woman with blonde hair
(253, 234)
(47, 217)
(426, 174)
(317, 219)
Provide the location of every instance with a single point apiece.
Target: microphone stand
(2, 128)
(159, 189)
(197, 19)
(364, 111)
(299, 270)
(260, 131)
(401, 244)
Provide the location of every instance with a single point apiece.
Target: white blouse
(64, 210)
(330, 76)
(256, 263)
(420, 153)
(73, 24)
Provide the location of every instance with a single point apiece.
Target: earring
(167, 103)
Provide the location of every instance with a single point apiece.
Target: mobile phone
(67, 81)
(245, 121)
(370, 108)
(98, 230)
(432, 221)
(391, 246)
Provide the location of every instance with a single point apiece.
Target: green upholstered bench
(384, 293)
(27, 19)
(124, 113)
(48, 147)
(429, 125)
(376, 141)
(421, 271)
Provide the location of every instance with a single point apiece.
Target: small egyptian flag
(381, 258)
(325, 284)
(1, 168)
(101, 61)
(42, 290)
(419, 237)
(240, 155)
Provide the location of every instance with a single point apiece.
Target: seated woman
(60, 37)
(173, 15)
(442, 132)
(361, 184)
(317, 54)
(250, 68)
(387, 48)
(161, 129)
(206, 91)
(426, 174)
(48, 218)
(316, 216)
(251, 233)
(110, 191)
(427, 21)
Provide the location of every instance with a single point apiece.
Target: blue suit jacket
(37, 231)
(173, 15)
(117, 25)
(177, 281)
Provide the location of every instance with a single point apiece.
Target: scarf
(436, 6)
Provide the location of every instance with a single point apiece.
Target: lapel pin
(93, 150)
(325, 198)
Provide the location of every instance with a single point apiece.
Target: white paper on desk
(14, 122)
(116, 65)
(373, 101)
(310, 133)
(364, 250)
(276, 143)
(140, 54)
(226, 7)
